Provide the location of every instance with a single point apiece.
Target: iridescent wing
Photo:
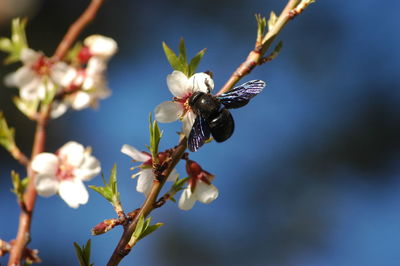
(199, 134)
(241, 95)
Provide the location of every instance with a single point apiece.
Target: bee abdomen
(222, 126)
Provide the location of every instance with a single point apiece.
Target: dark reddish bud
(84, 55)
(195, 173)
(104, 226)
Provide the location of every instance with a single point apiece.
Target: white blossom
(199, 188)
(36, 77)
(64, 173)
(146, 175)
(182, 88)
(203, 192)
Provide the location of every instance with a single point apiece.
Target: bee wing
(241, 95)
(199, 134)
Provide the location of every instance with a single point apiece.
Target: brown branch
(255, 56)
(19, 156)
(75, 29)
(123, 248)
(25, 218)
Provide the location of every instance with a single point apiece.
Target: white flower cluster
(81, 83)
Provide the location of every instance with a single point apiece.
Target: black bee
(213, 117)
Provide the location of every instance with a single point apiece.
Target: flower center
(41, 66)
(184, 101)
(65, 171)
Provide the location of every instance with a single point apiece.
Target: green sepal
(72, 55)
(83, 253)
(110, 189)
(7, 134)
(155, 137)
(19, 185)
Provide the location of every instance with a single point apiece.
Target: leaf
(196, 61)
(155, 137)
(16, 43)
(28, 108)
(83, 253)
(139, 228)
(19, 185)
(261, 24)
(150, 229)
(110, 189)
(6, 134)
(6, 45)
(272, 20)
(182, 51)
(172, 58)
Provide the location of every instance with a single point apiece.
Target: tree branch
(255, 56)
(123, 248)
(75, 29)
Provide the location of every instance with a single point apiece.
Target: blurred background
(311, 175)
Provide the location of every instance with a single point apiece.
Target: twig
(73, 32)
(19, 156)
(123, 248)
(255, 56)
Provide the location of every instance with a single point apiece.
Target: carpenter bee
(212, 114)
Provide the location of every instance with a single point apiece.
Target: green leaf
(150, 229)
(272, 20)
(83, 253)
(182, 51)
(139, 228)
(155, 137)
(172, 58)
(196, 61)
(28, 108)
(261, 25)
(6, 45)
(19, 185)
(110, 189)
(16, 43)
(6, 134)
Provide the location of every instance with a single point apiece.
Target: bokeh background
(311, 175)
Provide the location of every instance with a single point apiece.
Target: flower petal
(168, 112)
(46, 185)
(81, 100)
(178, 85)
(73, 192)
(145, 181)
(72, 152)
(187, 200)
(45, 163)
(88, 169)
(201, 82)
(187, 122)
(58, 109)
(29, 56)
(100, 45)
(134, 153)
(173, 176)
(205, 193)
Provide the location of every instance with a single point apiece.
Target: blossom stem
(255, 57)
(123, 247)
(75, 29)
(19, 156)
